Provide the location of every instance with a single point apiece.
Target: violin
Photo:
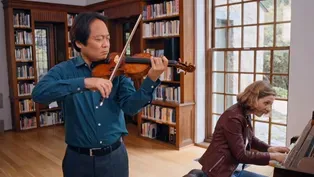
(135, 67)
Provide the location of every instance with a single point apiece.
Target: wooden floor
(39, 153)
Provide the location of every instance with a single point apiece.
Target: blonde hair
(258, 89)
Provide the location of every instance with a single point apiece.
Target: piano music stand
(300, 160)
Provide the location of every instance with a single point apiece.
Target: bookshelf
(71, 51)
(167, 29)
(25, 65)
(174, 101)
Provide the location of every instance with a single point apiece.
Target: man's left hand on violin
(159, 65)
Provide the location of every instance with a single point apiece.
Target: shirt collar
(79, 61)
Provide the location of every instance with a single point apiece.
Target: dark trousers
(114, 164)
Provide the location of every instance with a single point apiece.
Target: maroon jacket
(227, 148)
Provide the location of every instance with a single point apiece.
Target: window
(250, 41)
(41, 41)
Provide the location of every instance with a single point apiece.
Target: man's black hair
(80, 29)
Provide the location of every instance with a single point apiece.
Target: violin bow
(123, 51)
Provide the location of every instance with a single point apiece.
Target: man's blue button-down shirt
(87, 124)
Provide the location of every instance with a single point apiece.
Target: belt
(97, 151)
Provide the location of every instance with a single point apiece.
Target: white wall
(88, 2)
(301, 85)
(5, 112)
(200, 51)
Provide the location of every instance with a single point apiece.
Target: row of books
(26, 105)
(21, 20)
(162, 28)
(165, 8)
(28, 122)
(25, 71)
(23, 37)
(51, 118)
(159, 131)
(25, 88)
(154, 52)
(159, 114)
(24, 54)
(167, 93)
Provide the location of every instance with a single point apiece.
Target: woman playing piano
(233, 139)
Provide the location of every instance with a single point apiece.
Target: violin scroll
(184, 67)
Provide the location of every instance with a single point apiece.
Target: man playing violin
(93, 132)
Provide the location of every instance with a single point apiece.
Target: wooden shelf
(26, 79)
(50, 109)
(160, 37)
(160, 122)
(28, 112)
(170, 82)
(25, 97)
(165, 103)
(167, 17)
(23, 45)
(24, 61)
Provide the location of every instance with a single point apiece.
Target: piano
(300, 160)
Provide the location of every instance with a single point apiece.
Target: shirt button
(152, 86)
(85, 64)
(79, 89)
(148, 101)
(96, 107)
(100, 142)
(99, 124)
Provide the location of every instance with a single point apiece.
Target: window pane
(232, 82)
(235, 15)
(261, 131)
(249, 36)
(250, 13)
(283, 10)
(281, 61)
(218, 61)
(266, 11)
(263, 61)
(215, 119)
(266, 36)
(232, 61)
(230, 100)
(220, 2)
(261, 77)
(245, 80)
(218, 103)
(235, 37)
(280, 84)
(247, 61)
(41, 52)
(221, 38)
(263, 117)
(278, 135)
(218, 82)
(283, 34)
(233, 1)
(279, 112)
(221, 16)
